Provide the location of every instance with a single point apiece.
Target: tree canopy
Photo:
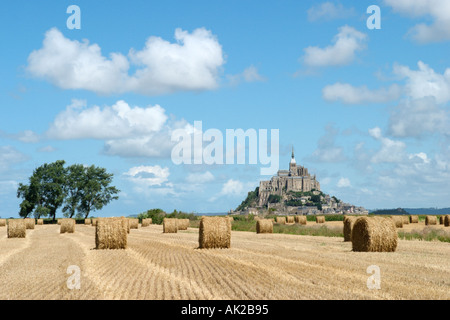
(78, 188)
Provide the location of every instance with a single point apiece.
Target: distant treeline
(415, 211)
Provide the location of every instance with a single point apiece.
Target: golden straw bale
(2, 222)
(290, 219)
(374, 234)
(59, 221)
(30, 223)
(320, 219)
(414, 219)
(441, 219)
(170, 225)
(398, 221)
(349, 221)
(264, 226)
(16, 228)
(111, 233)
(146, 222)
(430, 220)
(40, 222)
(134, 223)
(214, 232)
(183, 224)
(94, 222)
(405, 219)
(87, 222)
(67, 225)
(300, 219)
(447, 220)
(281, 220)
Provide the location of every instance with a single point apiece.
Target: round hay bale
(398, 221)
(430, 220)
(414, 219)
(30, 223)
(264, 226)
(134, 223)
(374, 234)
(405, 219)
(281, 220)
(320, 219)
(349, 221)
(94, 222)
(67, 225)
(214, 232)
(16, 228)
(183, 224)
(87, 222)
(146, 222)
(447, 220)
(170, 225)
(441, 219)
(290, 219)
(111, 233)
(40, 222)
(59, 222)
(300, 219)
(2, 222)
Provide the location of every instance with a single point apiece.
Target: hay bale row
(290, 219)
(430, 220)
(30, 223)
(134, 223)
(414, 219)
(16, 228)
(183, 224)
(300, 219)
(264, 226)
(281, 220)
(398, 221)
(170, 225)
(349, 221)
(111, 233)
(374, 234)
(447, 221)
(2, 222)
(320, 219)
(146, 222)
(405, 219)
(87, 222)
(40, 222)
(67, 225)
(214, 232)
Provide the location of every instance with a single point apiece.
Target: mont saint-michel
(294, 191)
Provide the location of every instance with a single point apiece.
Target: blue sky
(366, 110)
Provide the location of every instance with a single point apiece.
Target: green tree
(96, 191)
(45, 193)
(73, 188)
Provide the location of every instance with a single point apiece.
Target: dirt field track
(258, 266)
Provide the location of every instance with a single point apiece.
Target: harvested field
(264, 266)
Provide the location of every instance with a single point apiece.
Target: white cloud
(346, 43)
(390, 151)
(10, 156)
(438, 10)
(192, 63)
(425, 82)
(360, 95)
(27, 136)
(147, 176)
(418, 117)
(329, 11)
(200, 178)
(343, 183)
(250, 74)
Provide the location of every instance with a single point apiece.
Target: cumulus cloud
(193, 62)
(350, 94)
(438, 10)
(329, 11)
(414, 118)
(327, 151)
(390, 151)
(147, 176)
(346, 43)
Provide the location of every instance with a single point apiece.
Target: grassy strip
(425, 235)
